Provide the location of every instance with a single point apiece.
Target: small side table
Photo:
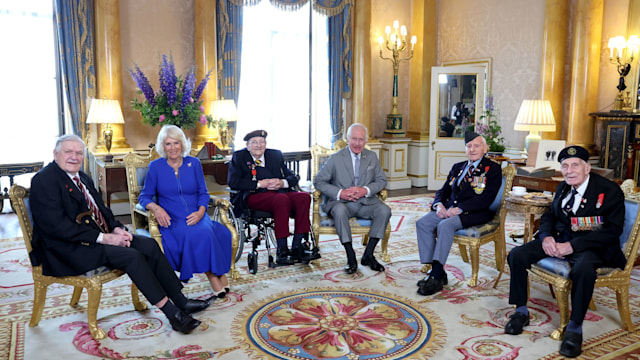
(531, 205)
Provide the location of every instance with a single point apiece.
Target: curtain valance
(325, 7)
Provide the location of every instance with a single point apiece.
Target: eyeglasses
(257, 142)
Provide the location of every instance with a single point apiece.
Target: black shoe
(183, 322)
(430, 287)
(371, 262)
(571, 344)
(194, 306)
(444, 280)
(282, 257)
(298, 255)
(351, 267)
(517, 321)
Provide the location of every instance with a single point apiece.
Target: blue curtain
(75, 22)
(229, 47)
(340, 73)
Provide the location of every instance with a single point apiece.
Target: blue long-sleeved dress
(205, 246)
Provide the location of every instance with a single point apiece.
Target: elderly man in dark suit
(263, 182)
(74, 232)
(463, 201)
(350, 180)
(583, 225)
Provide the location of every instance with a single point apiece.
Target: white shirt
(99, 239)
(353, 165)
(576, 203)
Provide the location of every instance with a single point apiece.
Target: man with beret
(463, 201)
(350, 180)
(583, 225)
(263, 182)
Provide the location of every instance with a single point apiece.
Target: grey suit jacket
(337, 174)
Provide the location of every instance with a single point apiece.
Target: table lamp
(107, 112)
(223, 112)
(534, 116)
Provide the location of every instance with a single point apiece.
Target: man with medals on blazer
(583, 225)
(74, 233)
(262, 181)
(463, 201)
(350, 180)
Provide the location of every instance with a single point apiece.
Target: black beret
(255, 133)
(573, 151)
(470, 135)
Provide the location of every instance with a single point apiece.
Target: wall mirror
(459, 101)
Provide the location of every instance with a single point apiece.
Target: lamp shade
(102, 111)
(534, 116)
(224, 109)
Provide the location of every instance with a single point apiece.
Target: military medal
(600, 200)
(587, 223)
(253, 170)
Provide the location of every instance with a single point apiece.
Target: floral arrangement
(489, 128)
(176, 102)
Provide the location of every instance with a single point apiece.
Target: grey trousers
(379, 215)
(435, 236)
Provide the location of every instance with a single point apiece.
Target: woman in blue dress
(175, 190)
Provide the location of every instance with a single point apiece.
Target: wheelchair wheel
(237, 224)
(252, 262)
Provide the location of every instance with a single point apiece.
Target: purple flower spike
(200, 89)
(143, 84)
(168, 79)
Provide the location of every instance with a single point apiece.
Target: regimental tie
(258, 162)
(97, 215)
(356, 171)
(568, 207)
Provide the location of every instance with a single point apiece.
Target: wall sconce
(534, 116)
(107, 112)
(622, 54)
(395, 42)
(224, 115)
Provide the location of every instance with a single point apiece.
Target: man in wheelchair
(261, 181)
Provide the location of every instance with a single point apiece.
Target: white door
(462, 87)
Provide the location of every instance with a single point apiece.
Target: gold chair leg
(475, 265)
(463, 253)
(383, 248)
(592, 305)
(39, 296)
(425, 268)
(135, 298)
(563, 306)
(75, 298)
(622, 298)
(92, 313)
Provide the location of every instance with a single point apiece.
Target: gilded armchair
(322, 223)
(556, 272)
(92, 280)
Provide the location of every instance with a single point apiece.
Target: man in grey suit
(350, 180)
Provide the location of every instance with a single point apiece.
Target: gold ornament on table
(224, 116)
(622, 54)
(106, 112)
(395, 42)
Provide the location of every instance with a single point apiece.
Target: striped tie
(97, 215)
(258, 162)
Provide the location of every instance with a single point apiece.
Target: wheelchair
(254, 227)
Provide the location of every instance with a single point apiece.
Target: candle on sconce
(403, 31)
(396, 24)
(380, 42)
(414, 40)
(387, 30)
(393, 38)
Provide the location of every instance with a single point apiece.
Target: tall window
(27, 69)
(277, 93)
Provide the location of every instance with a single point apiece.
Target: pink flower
(202, 108)
(175, 112)
(161, 119)
(203, 119)
(191, 100)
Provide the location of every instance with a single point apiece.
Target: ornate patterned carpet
(313, 312)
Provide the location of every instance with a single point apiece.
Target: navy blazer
(475, 207)
(63, 246)
(604, 241)
(241, 180)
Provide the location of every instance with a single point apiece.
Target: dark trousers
(583, 276)
(147, 267)
(281, 205)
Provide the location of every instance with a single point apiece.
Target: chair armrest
(382, 195)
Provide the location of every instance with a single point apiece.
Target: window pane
(29, 87)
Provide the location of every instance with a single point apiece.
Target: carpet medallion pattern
(338, 324)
